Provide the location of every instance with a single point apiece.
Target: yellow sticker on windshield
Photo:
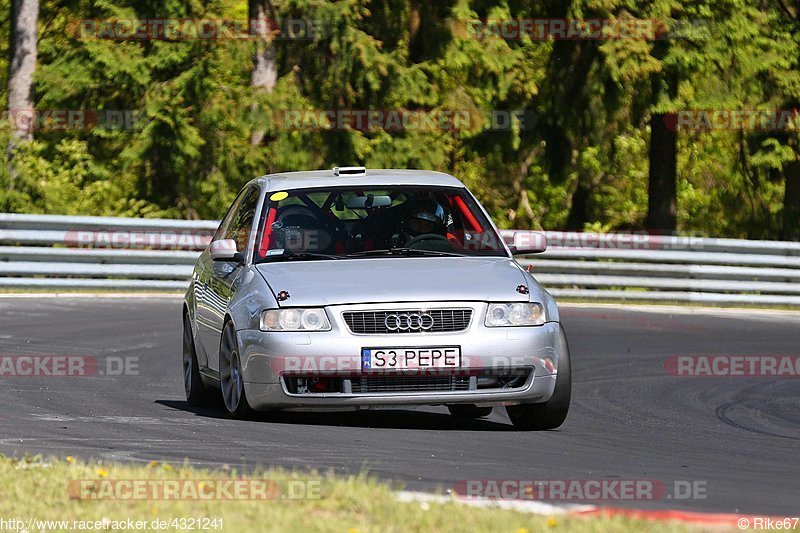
(278, 196)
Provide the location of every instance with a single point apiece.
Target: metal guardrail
(105, 253)
(99, 253)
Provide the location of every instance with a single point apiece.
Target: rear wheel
(469, 411)
(230, 374)
(196, 392)
(552, 413)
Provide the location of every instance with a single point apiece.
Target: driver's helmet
(425, 216)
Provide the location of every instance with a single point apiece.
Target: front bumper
(270, 360)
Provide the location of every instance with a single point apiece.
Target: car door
(219, 277)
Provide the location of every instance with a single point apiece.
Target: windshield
(349, 222)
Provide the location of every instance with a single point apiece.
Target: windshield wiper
(405, 252)
(297, 256)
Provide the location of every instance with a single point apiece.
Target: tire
(231, 379)
(196, 392)
(469, 411)
(552, 413)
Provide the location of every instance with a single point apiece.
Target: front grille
(410, 384)
(374, 322)
(479, 379)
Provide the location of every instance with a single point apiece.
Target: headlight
(516, 314)
(295, 320)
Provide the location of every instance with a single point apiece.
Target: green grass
(37, 488)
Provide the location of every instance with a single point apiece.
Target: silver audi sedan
(356, 288)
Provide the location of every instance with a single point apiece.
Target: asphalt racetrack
(735, 438)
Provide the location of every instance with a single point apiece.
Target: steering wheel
(427, 237)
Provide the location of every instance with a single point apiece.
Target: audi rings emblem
(408, 321)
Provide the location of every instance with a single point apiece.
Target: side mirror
(528, 242)
(225, 250)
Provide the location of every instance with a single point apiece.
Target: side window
(225, 225)
(242, 222)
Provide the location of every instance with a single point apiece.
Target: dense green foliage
(578, 159)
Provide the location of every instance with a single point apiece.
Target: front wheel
(196, 392)
(552, 413)
(230, 374)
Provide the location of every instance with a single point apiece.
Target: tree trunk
(579, 210)
(21, 67)
(265, 68)
(662, 189)
(791, 201)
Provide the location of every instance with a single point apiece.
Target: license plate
(410, 358)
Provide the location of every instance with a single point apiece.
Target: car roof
(372, 177)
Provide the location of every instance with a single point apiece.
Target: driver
(425, 217)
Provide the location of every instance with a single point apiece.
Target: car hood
(396, 279)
